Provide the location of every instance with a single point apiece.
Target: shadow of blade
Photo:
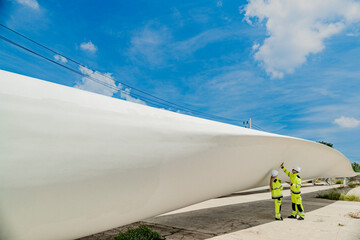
(211, 222)
(226, 219)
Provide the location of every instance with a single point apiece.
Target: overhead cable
(180, 107)
(152, 101)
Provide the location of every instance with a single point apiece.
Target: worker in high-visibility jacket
(295, 185)
(276, 193)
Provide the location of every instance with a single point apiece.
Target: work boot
(300, 218)
(292, 216)
(279, 219)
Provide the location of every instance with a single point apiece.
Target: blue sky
(290, 65)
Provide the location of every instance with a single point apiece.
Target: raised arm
(284, 169)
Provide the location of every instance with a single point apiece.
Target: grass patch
(349, 198)
(339, 182)
(140, 233)
(352, 185)
(334, 194)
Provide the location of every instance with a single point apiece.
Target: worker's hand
(282, 165)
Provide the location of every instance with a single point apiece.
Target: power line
(71, 69)
(132, 88)
(258, 127)
(180, 107)
(154, 102)
(82, 65)
(39, 44)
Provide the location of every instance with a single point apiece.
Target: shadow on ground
(210, 222)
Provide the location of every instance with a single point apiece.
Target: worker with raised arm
(295, 185)
(276, 193)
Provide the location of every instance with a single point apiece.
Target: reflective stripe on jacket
(295, 181)
(276, 191)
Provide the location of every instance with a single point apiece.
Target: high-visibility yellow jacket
(295, 181)
(276, 191)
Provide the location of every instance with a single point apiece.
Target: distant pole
(249, 122)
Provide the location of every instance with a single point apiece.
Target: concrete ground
(250, 216)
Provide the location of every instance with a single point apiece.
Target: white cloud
(149, 45)
(233, 81)
(154, 46)
(92, 86)
(60, 58)
(178, 18)
(298, 28)
(201, 40)
(29, 3)
(347, 122)
(126, 95)
(255, 46)
(89, 46)
(324, 92)
(109, 90)
(353, 34)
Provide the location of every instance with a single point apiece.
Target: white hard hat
(297, 168)
(274, 173)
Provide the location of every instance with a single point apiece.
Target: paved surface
(250, 216)
(329, 222)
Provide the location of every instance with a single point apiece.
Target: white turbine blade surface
(73, 163)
